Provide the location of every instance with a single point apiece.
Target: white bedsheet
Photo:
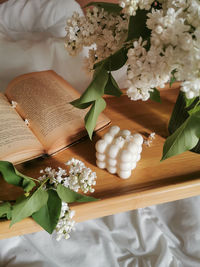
(167, 235)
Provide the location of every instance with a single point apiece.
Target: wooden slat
(152, 182)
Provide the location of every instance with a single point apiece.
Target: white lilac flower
(55, 177)
(146, 70)
(130, 6)
(107, 31)
(191, 88)
(80, 177)
(175, 45)
(65, 224)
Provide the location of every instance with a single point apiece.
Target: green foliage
(76, 103)
(188, 102)
(172, 78)
(137, 26)
(114, 61)
(26, 206)
(91, 117)
(49, 214)
(70, 196)
(103, 82)
(112, 87)
(183, 108)
(44, 204)
(95, 90)
(195, 108)
(12, 176)
(5, 210)
(109, 7)
(184, 138)
(155, 95)
(191, 104)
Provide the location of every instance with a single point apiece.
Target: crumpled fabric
(32, 39)
(167, 235)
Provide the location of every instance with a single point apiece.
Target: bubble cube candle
(119, 151)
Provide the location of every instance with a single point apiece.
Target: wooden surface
(152, 182)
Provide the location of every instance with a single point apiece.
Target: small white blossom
(152, 135)
(146, 70)
(80, 177)
(65, 224)
(191, 88)
(150, 139)
(27, 122)
(130, 6)
(55, 177)
(13, 104)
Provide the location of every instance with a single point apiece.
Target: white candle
(119, 151)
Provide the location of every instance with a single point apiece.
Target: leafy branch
(184, 126)
(43, 202)
(103, 82)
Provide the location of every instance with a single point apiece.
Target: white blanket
(167, 235)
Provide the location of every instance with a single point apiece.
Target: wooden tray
(152, 182)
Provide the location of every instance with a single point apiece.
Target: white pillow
(31, 39)
(25, 19)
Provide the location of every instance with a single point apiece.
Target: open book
(42, 100)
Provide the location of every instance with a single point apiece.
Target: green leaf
(172, 78)
(184, 138)
(49, 214)
(137, 26)
(76, 103)
(115, 61)
(180, 114)
(25, 207)
(109, 7)
(96, 88)
(12, 176)
(188, 102)
(69, 196)
(92, 115)
(195, 107)
(155, 95)
(5, 210)
(112, 87)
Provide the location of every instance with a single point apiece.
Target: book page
(44, 99)
(17, 142)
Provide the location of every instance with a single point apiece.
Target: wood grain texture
(152, 182)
